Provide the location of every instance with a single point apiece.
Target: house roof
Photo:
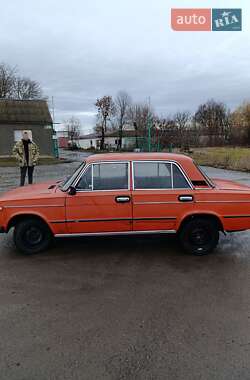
(125, 133)
(128, 133)
(24, 111)
(90, 136)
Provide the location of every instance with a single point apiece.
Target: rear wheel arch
(212, 217)
(21, 217)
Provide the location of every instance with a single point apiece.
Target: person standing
(27, 155)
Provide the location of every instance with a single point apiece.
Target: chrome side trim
(158, 218)
(33, 206)
(58, 221)
(235, 216)
(155, 203)
(244, 201)
(117, 233)
(97, 220)
(111, 220)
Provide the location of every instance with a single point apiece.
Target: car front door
(102, 202)
(162, 194)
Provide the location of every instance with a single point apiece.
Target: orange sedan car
(128, 193)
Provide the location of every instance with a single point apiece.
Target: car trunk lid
(224, 184)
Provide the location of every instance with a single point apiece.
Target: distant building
(63, 139)
(90, 141)
(93, 140)
(29, 115)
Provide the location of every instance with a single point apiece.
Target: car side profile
(128, 193)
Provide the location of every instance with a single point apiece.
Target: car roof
(138, 157)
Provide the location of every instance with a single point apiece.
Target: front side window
(110, 176)
(69, 180)
(85, 182)
(152, 175)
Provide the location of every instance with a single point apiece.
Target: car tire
(199, 236)
(32, 236)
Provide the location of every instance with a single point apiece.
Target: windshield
(64, 185)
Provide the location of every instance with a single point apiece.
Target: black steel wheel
(199, 236)
(32, 236)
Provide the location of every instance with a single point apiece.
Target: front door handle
(122, 199)
(186, 198)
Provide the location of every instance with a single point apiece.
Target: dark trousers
(24, 172)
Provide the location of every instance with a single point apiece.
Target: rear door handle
(122, 199)
(186, 198)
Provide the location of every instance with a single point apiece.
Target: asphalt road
(126, 308)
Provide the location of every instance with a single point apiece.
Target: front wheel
(199, 236)
(32, 236)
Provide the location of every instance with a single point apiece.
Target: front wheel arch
(21, 217)
(32, 235)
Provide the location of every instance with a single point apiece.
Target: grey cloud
(81, 50)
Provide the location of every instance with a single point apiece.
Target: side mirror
(72, 190)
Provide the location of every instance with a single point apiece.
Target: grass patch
(225, 158)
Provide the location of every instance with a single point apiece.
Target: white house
(93, 140)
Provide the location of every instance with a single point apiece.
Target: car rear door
(162, 194)
(102, 202)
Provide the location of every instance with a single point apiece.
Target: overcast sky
(82, 49)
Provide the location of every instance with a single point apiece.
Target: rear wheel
(199, 236)
(32, 236)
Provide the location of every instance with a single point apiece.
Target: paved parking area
(136, 308)
(125, 308)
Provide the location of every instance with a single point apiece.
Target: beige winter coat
(18, 152)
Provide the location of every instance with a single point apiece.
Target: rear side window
(158, 175)
(110, 176)
(152, 175)
(179, 181)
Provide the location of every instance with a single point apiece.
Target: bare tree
(106, 108)
(122, 103)
(13, 86)
(26, 89)
(181, 120)
(7, 80)
(212, 117)
(240, 120)
(73, 127)
(166, 131)
(138, 115)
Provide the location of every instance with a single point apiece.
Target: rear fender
(192, 215)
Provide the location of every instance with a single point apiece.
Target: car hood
(224, 184)
(30, 192)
